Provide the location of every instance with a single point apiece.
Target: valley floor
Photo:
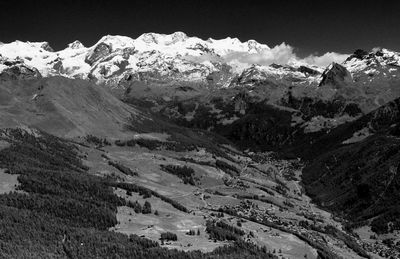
(253, 196)
(265, 199)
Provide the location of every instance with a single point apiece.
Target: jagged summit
(379, 57)
(336, 75)
(117, 60)
(358, 54)
(176, 56)
(165, 39)
(116, 41)
(179, 42)
(76, 45)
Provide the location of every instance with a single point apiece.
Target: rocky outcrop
(386, 116)
(358, 54)
(335, 75)
(18, 70)
(46, 47)
(308, 71)
(100, 51)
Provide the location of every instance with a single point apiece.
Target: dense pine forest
(61, 211)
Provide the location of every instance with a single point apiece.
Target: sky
(309, 28)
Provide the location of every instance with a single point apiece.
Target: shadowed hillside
(354, 169)
(64, 107)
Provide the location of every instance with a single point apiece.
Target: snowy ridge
(178, 57)
(362, 61)
(280, 73)
(112, 57)
(377, 66)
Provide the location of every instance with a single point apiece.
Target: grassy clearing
(8, 182)
(168, 219)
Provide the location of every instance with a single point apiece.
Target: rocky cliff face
(336, 75)
(101, 51)
(353, 170)
(18, 70)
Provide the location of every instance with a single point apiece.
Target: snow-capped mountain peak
(163, 39)
(76, 45)
(180, 57)
(116, 42)
(362, 60)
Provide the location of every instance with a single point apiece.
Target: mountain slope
(322, 116)
(165, 72)
(60, 210)
(354, 169)
(63, 107)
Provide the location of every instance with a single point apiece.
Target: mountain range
(207, 127)
(162, 67)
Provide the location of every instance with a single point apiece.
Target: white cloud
(326, 59)
(280, 54)
(283, 54)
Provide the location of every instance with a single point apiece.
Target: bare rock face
(101, 51)
(336, 75)
(386, 116)
(46, 46)
(179, 37)
(58, 66)
(127, 52)
(359, 54)
(18, 70)
(308, 71)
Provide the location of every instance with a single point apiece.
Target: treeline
(145, 191)
(194, 161)
(123, 169)
(138, 208)
(185, 173)
(27, 234)
(66, 212)
(347, 239)
(168, 236)
(47, 152)
(222, 231)
(192, 232)
(227, 168)
(264, 189)
(99, 142)
(322, 249)
(75, 212)
(184, 139)
(380, 224)
(153, 144)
